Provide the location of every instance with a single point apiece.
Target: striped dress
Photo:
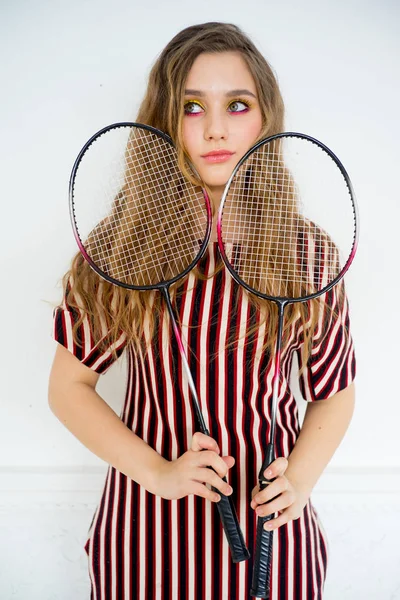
(142, 547)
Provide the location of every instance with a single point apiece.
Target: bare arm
(324, 426)
(325, 423)
(74, 401)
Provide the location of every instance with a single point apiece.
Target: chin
(216, 181)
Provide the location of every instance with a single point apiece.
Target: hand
(282, 496)
(188, 474)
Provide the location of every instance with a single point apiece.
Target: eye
(192, 108)
(238, 106)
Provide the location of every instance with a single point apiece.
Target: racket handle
(230, 523)
(260, 585)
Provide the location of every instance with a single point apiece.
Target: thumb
(201, 441)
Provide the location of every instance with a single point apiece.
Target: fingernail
(267, 526)
(268, 473)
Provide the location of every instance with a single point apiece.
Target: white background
(69, 68)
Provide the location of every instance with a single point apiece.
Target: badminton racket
(142, 225)
(287, 232)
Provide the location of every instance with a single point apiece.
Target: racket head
(137, 220)
(290, 199)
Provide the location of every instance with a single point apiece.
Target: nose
(215, 127)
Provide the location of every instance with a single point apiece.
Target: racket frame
(355, 214)
(79, 241)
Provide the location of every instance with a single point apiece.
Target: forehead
(220, 71)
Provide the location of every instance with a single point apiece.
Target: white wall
(68, 69)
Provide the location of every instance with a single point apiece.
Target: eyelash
(245, 102)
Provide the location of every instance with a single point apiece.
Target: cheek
(246, 134)
(253, 130)
(189, 135)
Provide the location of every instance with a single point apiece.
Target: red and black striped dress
(141, 547)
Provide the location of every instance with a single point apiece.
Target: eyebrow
(229, 94)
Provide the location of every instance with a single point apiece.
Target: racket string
(148, 222)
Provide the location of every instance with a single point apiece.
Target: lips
(217, 156)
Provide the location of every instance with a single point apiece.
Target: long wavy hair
(118, 310)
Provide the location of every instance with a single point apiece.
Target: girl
(155, 533)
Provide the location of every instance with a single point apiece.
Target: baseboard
(81, 486)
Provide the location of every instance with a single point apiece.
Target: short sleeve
(91, 353)
(331, 366)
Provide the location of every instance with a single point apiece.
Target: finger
(201, 441)
(201, 490)
(273, 489)
(282, 519)
(229, 461)
(210, 477)
(279, 504)
(276, 468)
(211, 459)
(254, 492)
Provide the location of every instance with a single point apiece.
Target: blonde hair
(121, 310)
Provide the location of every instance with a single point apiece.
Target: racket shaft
(262, 560)
(226, 508)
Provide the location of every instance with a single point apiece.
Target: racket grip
(260, 585)
(230, 523)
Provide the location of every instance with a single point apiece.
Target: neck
(215, 200)
(216, 197)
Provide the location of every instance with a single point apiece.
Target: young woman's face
(222, 116)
